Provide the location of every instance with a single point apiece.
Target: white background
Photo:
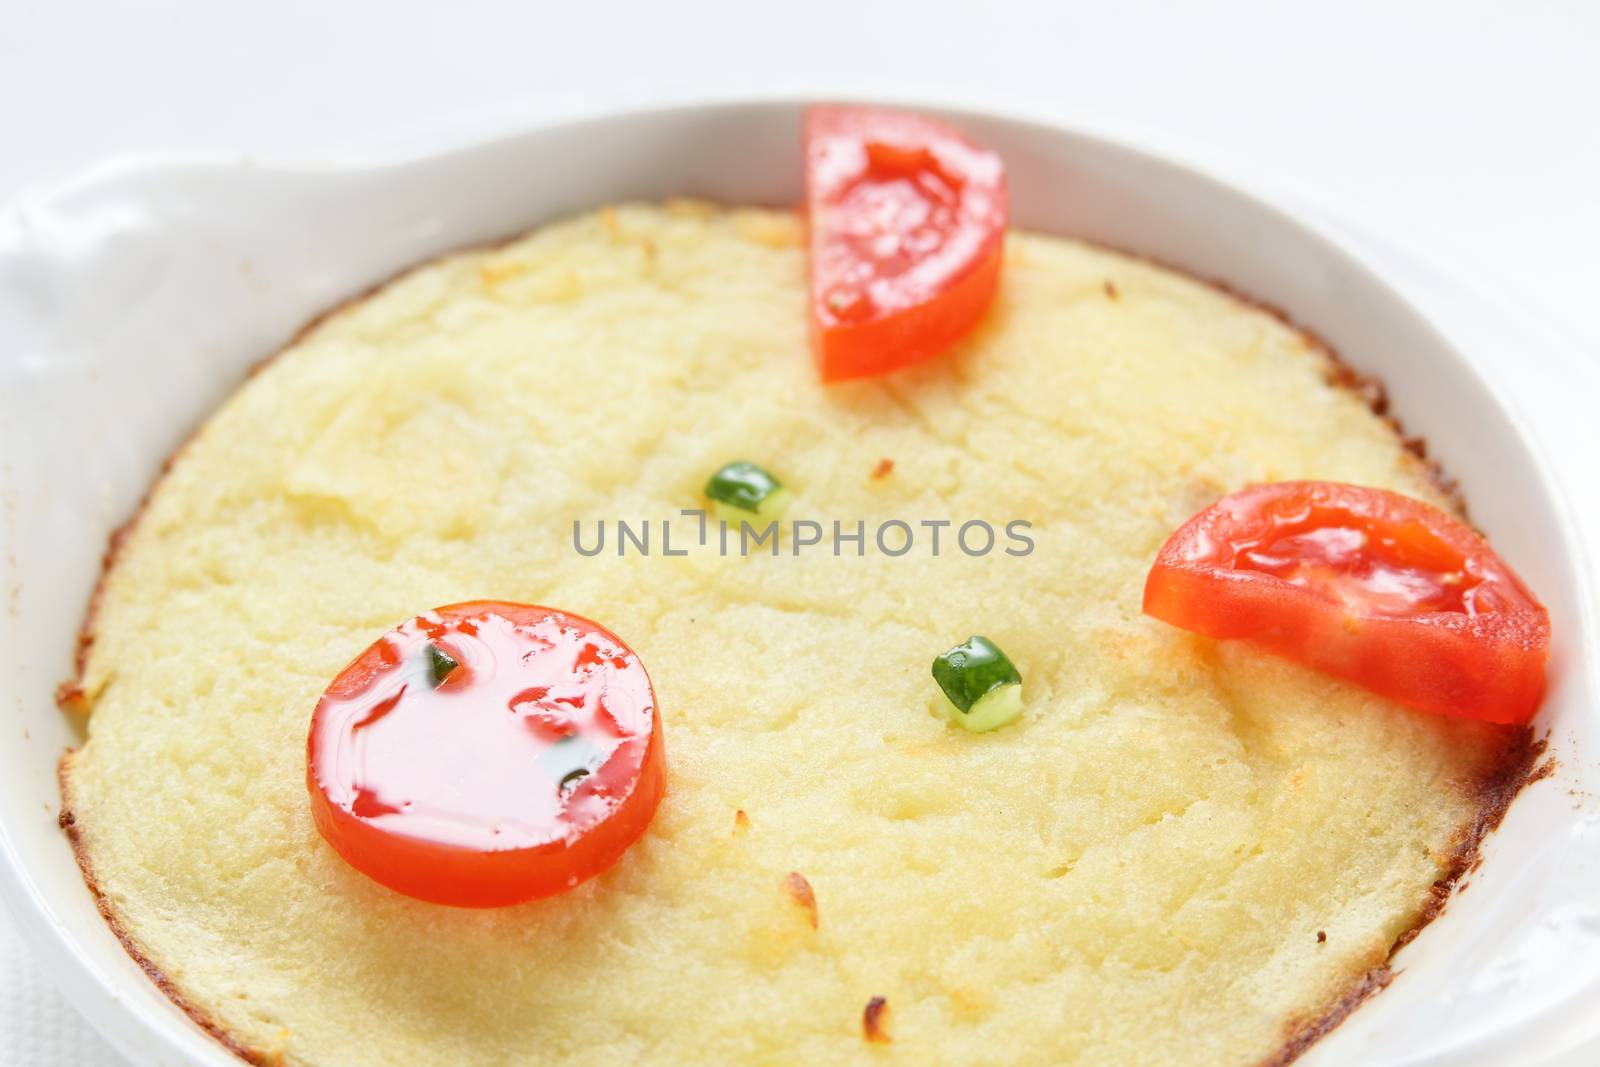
(1466, 131)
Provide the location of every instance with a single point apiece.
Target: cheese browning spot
(72, 698)
(873, 1021)
(884, 468)
(800, 892)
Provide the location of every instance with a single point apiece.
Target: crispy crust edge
(68, 822)
(1523, 763)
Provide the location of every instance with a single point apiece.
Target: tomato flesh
(907, 228)
(1368, 585)
(529, 768)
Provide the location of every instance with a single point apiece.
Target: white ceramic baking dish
(133, 299)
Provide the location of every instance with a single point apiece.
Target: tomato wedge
(908, 219)
(1364, 584)
(487, 753)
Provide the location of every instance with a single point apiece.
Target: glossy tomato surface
(907, 225)
(487, 753)
(1368, 585)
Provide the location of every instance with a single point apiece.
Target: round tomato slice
(487, 753)
(907, 223)
(1364, 584)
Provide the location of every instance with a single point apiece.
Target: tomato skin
(907, 225)
(600, 818)
(1410, 603)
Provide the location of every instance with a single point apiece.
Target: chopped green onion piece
(969, 671)
(745, 487)
(440, 664)
(982, 684)
(771, 508)
(994, 709)
(572, 777)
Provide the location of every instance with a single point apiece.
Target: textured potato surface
(1134, 873)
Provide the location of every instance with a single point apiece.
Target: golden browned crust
(1303, 1037)
(203, 1019)
(69, 694)
(1524, 763)
(1521, 766)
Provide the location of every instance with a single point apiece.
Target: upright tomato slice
(907, 222)
(485, 754)
(1364, 584)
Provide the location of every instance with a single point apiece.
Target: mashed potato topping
(1183, 853)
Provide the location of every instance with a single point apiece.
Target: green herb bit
(744, 487)
(983, 685)
(440, 664)
(572, 778)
